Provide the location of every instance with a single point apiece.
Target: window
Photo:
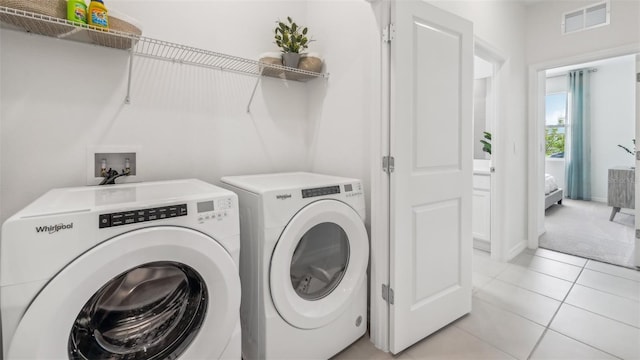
(555, 124)
(586, 18)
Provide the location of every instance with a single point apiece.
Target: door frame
(380, 195)
(535, 129)
(637, 188)
(488, 52)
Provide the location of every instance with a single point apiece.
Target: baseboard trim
(516, 250)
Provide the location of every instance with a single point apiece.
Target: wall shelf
(147, 47)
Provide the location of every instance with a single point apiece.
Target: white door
(431, 188)
(319, 263)
(161, 292)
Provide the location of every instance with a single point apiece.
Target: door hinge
(388, 164)
(637, 233)
(389, 33)
(637, 155)
(637, 77)
(387, 294)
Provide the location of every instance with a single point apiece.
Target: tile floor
(541, 305)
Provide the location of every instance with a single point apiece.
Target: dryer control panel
(214, 209)
(141, 215)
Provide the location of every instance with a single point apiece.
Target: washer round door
(156, 293)
(318, 264)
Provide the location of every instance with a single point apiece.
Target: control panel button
(141, 215)
(105, 220)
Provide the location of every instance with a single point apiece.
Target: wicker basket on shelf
(271, 58)
(310, 62)
(120, 25)
(53, 8)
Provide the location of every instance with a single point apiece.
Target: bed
(552, 193)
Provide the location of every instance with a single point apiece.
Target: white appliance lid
(262, 183)
(89, 198)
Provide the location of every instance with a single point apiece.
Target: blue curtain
(578, 141)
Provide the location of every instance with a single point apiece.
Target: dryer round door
(318, 264)
(155, 293)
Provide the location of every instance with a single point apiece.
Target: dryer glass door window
(319, 264)
(319, 261)
(150, 312)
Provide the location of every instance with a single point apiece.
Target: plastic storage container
(77, 11)
(98, 14)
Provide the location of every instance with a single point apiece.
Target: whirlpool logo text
(54, 228)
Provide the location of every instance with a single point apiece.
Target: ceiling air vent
(586, 18)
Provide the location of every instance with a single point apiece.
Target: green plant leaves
(292, 37)
(554, 141)
(486, 145)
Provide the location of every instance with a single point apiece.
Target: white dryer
(303, 263)
(134, 271)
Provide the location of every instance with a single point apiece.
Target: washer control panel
(141, 215)
(217, 209)
(327, 190)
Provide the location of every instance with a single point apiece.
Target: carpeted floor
(583, 228)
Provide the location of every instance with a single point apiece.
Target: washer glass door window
(151, 311)
(168, 291)
(318, 264)
(319, 261)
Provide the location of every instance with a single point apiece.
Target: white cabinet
(481, 210)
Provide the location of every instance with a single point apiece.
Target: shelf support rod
(253, 93)
(127, 99)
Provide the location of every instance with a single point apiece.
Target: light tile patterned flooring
(541, 305)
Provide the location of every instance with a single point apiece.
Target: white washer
(124, 271)
(303, 263)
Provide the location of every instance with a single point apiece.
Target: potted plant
(486, 144)
(292, 39)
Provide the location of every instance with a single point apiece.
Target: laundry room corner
(344, 112)
(60, 98)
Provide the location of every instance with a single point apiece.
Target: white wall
(612, 120)
(190, 122)
(343, 110)
(545, 41)
(59, 97)
(500, 24)
(479, 117)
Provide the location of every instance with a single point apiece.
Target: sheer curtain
(578, 144)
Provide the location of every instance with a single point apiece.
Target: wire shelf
(147, 47)
(163, 50)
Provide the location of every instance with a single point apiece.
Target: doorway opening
(486, 133)
(589, 120)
